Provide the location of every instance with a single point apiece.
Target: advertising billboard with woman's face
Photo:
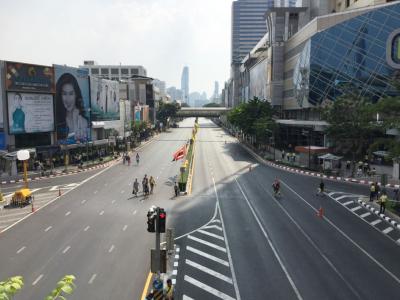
(72, 105)
(104, 99)
(30, 112)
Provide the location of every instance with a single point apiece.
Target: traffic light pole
(158, 239)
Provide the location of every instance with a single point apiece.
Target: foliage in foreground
(13, 285)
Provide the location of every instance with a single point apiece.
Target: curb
(315, 174)
(376, 212)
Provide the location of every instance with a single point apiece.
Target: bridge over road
(206, 112)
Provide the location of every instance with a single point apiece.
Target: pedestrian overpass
(206, 112)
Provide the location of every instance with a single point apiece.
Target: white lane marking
(175, 272)
(356, 208)
(67, 213)
(212, 226)
(274, 250)
(216, 221)
(341, 197)
(207, 243)
(112, 202)
(37, 279)
(66, 250)
(209, 271)
(207, 288)
(56, 198)
(346, 236)
(101, 213)
(21, 249)
(83, 201)
(48, 228)
(125, 227)
(111, 249)
(206, 255)
(211, 234)
(86, 228)
(186, 298)
(92, 278)
(365, 215)
(347, 203)
(134, 213)
(376, 222)
(235, 284)
(387, 230)
(177, 256)
(176, 264)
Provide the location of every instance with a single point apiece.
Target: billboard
(72, 105)
(104, 99)
(30, 112)
(258, 81)
(22, 77)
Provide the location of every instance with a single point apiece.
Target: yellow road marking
(146, 286)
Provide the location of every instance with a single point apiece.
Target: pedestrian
(152, 184)
(123, 158)
(150, 296)
(169, 290)
(135, 187)
(321, 188)
(377, 190)
(348, 164)
(382, 202)
(128, 159)
(372, 191)
(283, 154)
(144, 184)
(176, 189)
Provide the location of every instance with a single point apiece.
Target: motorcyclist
(276, 186)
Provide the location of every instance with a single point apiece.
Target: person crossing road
(135, 187)
(152, 184)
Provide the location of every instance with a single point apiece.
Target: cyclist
(137, 158)
(277, 187)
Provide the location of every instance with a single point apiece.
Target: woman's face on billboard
(68, 96)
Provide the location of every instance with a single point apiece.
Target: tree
(166, 110)
(352, 125)
(254, 117)
(212, 104)
(184, 104)
(10, 287)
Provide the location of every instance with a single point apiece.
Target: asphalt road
(96, 230)
(247, 244)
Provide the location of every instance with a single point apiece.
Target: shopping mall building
(301, 66)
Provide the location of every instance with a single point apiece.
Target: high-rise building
(185, 84)
(342, 5)
(248, 24)
(215, 96)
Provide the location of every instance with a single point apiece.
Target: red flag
(179, 154)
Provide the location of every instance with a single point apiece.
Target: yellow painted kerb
(146, 286)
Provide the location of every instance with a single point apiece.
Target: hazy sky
(161, 35)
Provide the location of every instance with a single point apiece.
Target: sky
(161, 35)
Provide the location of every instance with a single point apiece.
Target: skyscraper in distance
(185, 84)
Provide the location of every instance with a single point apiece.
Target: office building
(301, 67)
(342, 5)
(113, 72)
(185, 84)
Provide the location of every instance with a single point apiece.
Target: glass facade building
(362, 53)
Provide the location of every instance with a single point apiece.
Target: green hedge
(184, 178)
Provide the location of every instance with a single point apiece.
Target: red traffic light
(162, 215)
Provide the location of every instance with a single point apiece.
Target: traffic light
(162, 218)
(151, 225)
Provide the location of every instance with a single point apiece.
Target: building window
(124, 71)
(114, 71)
(104, 71)
(95, 71)
(134, 71)
(347, 3)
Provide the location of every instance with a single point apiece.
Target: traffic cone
(320, 212)
(59, 192)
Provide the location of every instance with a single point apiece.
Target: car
(175, 125)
